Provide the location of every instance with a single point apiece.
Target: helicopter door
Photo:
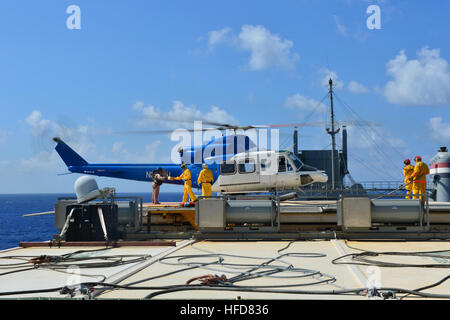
(247, 172)
(284, 169)
(228, 173)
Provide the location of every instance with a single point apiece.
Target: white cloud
(79, 137)
(356, 87)
(300, 102)
(338, 84)
(218, 36)
(439, 130)
(219, 115)
(266, 49)
(424, 81)
(39, 125)
(152, 115)
(353, 86)
(43, 159)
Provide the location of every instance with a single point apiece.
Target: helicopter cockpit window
(281, 164)
(297, 163)
(300, 165)
(305, 167)
(228, 168)
(248, 166)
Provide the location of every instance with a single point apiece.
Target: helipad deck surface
(306, 269)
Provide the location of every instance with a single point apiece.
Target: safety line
(120, 276)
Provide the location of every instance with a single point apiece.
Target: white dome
(86, 189)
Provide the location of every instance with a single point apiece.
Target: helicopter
(236, 166)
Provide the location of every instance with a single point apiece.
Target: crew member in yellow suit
(419, 176)
(205, 178)
(408, 169)
(186, 176)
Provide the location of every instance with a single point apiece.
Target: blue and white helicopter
(236, 165)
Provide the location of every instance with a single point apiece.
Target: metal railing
(370, 188)
(381, 185)
(386, 185)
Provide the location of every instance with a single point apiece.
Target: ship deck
(266, 270)
(170, 259)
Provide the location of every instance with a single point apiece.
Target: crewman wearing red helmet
(408, 169)
(419, 176)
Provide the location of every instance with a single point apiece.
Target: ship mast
(333, 133)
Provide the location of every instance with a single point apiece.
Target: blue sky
(247, 62)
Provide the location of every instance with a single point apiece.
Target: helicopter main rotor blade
(144, 132)
(234, 128)
(318, 124)
(188, 120)
(357, 123)
(222, 126)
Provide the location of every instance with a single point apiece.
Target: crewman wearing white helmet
(186, 176)
(206, 179)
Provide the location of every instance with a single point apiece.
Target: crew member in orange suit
(186, 176)
(419, 176)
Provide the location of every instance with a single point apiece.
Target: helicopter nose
(319, 177)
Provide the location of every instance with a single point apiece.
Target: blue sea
(14, 227)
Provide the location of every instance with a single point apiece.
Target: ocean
(14, 227)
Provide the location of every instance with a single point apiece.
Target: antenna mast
(332, 132)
